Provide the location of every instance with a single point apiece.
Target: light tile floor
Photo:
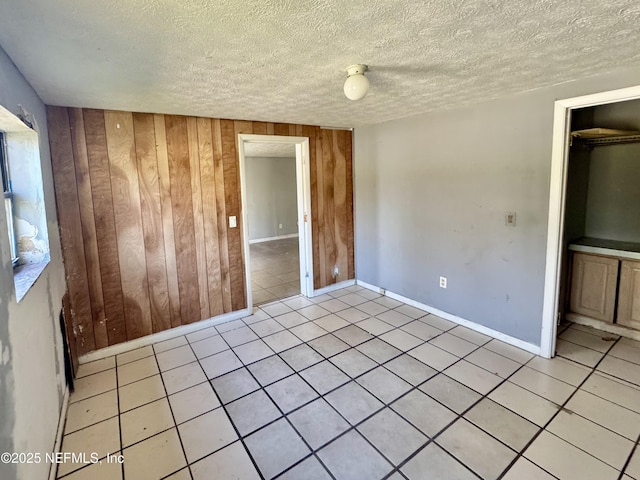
(275, 269)
(319, 389)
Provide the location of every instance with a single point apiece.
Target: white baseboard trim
(161, 336)
(516, 342)
(53, 470)
(605, 327)
(269, 239)
(333, 288)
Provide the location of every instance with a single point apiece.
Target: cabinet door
(629, 295)
(593, 286)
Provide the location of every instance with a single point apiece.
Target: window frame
(8, 195)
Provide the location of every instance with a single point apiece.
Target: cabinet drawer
(593, 286)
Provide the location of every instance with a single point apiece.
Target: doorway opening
(570, 225)
(276, 205)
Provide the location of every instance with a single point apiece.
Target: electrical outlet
(335, 271)
(383, 291)
(443, 282)
(233, 222)
(280, 226)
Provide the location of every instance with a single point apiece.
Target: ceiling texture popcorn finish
(285, 60)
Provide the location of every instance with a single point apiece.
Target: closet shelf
(593, 137)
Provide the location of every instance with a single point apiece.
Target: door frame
(303, 189)
(557, 201)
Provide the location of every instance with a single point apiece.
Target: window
(8, 197)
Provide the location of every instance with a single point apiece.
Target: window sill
(24, 276)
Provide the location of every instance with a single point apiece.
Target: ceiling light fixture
(357, 85)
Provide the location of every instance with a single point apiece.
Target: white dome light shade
(357, 85)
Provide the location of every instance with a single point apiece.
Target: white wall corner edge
(516, 342)
(62, 420)
(161, 336)
(333, 288)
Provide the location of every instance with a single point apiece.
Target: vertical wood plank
(85, 202)
(281, 129)
(349, 204)
(182, 203)
(292, 130)
(270, 128)
(221, 207)
(339, 203)
(232, 200)
(320, 216)
(328, 161)
(198, 220)
(70, 226)
(126, 207)
(145, 142)
(210, 214)
(107, 238)
(260, 128)
(164, 183)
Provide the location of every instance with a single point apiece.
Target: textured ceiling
(283, 150)
(284, 60)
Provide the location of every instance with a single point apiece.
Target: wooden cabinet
(629, 295)
(594, 281)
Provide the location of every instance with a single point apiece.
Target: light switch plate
(233, 223)
(510, 219)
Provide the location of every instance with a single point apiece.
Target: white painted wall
(431, 193)
(31, 362)
(271, 196)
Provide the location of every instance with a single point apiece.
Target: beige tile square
(206, 434)
(614, 390)
(401, 340)
(560, 368)
(619, 368)
(421, 330)
(183, 377)
(193, 401)
(626, 352)
(394, 317)
(470, 335)
(529, 405)
(181, 475)
(133, 355)
(230, 462)
(92, 410)
(137, 370)
(201, 334)
(209, 346)
(566, 461)
(578, 353)
(603, 444)
(479, 451)
(452, 344)
(98, 471)
(169, 344)
(544, 385)
(374, 326)
(492, 362)
(473, 377)
(514, 353)
(605, 413)
(433, 356)
(95, 367)
(175, 357)
(93, 385)
(145, 421)
(434, 463)
(633, 469)
(101, 438)
(502, 423)
(523, 469)
(282, 341)
(140, 393)
(331, 323)
(155, 457)
(600, 342)
(220, 363)
(438, 322)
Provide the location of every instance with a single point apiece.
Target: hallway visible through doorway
(275, 269)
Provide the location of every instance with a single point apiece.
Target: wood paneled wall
(143, 201)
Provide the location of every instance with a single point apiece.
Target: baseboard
(161, 336)
(269, 239)
(605, 327)
(516, 342)
(53, 470)
(333, 288)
